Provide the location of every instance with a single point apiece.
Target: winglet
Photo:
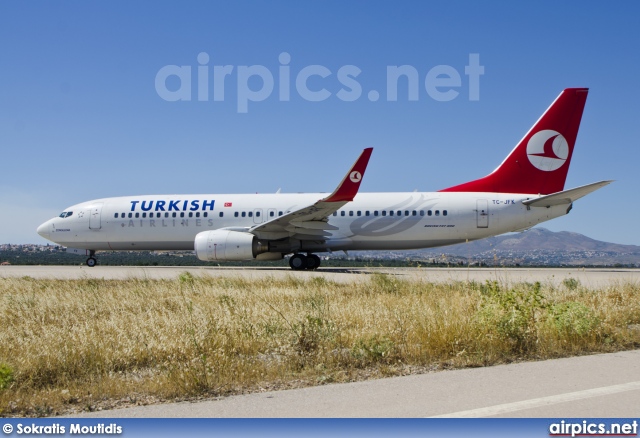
(348, 188)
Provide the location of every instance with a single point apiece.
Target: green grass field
(72, 345)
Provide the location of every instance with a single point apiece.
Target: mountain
(537, 246)
(541, 239)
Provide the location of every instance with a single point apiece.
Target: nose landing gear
(299, 262)
(91, 261)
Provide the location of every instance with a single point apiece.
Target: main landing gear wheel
(313, 262)
(298, 262)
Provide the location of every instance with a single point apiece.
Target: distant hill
(537, 246)
(541, 239)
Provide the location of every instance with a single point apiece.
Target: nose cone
(45, 230)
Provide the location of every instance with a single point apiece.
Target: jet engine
(225, 245)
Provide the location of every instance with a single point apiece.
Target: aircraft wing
(311, 222)
(565, 197)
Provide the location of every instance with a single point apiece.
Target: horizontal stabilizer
(565, 197)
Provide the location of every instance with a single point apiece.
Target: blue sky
(81, 118)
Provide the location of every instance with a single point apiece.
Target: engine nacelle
(225, 245)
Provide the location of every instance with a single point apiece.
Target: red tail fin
(540, 161)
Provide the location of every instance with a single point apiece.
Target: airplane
(527, 188)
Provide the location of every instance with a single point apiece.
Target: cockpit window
(66, 214)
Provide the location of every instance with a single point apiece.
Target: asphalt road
(587, 277)
(604, 385)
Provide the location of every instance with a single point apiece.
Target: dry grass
(69, 345)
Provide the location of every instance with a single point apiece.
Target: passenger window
(257, 214)
(342, 213)
(366, 213)
(359, 213)
(130, 215)
(243, 214)
(272, 213)
(444, 212)
(375, 212)
(390, 213)
(235, 214)
(384, 212)
(421, 212)
(166, 215)
(174, 214)
(350, 212)
(205, 214)
(221, 214)
(437, 212)
(414, 213)
(116, 215)
(335, 213)
(250, 214)
(197, 214)
(429, 213)
(399, 213)
(182, 214)
(406, 213)
(279, 213)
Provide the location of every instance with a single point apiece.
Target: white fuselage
(372, 221)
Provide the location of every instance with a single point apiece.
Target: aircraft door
(257, 216)
(95, 222)
(482, 213)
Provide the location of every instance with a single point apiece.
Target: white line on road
(543, 401)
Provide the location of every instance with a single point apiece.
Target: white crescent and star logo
(355, 176)
(547, 150)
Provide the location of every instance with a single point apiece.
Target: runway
(603, 385)
(587, 277)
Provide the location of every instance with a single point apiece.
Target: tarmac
(587, 277)
(602, 385)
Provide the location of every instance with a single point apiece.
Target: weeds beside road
(71, 345)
